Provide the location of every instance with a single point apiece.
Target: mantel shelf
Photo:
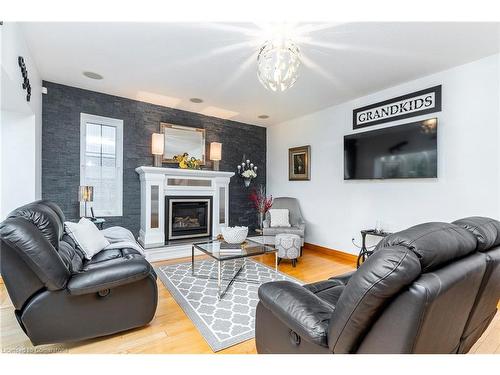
(182, 172)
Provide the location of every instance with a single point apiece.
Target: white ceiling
(168, 63)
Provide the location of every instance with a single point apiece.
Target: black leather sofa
(58, 295)
(433, 288)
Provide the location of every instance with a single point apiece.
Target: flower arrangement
(186, 162)
(249, 174)
(261, 202)
(247, 171)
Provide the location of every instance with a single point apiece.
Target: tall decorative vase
(261, 220)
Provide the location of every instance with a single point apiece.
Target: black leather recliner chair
(58, 295)
(433, 288)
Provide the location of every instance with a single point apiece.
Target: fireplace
(187, 217)
(159, 183)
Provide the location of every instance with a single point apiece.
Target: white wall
(18, 187)
(468, 180)
(20, 124)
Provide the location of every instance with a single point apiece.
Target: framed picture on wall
(299, 163)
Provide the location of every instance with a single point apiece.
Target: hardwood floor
(489, 342)
(171, 331)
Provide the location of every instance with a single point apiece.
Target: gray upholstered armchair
(297, 222)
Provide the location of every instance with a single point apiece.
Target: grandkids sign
(410, 105)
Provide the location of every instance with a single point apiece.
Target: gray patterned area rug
(226, 322)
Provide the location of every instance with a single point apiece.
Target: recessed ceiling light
(196, 100)
(92, 75)
(263, 116)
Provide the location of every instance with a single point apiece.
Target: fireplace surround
(159, 183)
(188, 217)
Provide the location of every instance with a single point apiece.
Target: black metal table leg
(363, 251)
(192, 260)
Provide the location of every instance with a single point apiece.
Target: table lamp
(157, 147)
(216, 154)
(86, 194)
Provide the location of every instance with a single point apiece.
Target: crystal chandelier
(278, 64)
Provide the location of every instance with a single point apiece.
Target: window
(101, 163)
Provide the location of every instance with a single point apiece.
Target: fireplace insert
(188, 217)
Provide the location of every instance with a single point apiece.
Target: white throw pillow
(86, 236)
(279, 217)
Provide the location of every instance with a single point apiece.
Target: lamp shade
(215, 151)
(86, 194)
(157, 144)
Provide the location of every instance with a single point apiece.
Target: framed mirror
(180, 139)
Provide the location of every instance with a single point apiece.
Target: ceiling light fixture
(92, 75)
(196, 100)
(278, 64)
(263, 116)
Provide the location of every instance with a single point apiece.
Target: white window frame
(107, 121)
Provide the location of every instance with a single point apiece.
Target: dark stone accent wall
(62, 106)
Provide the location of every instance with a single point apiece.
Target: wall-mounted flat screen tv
(404, 151)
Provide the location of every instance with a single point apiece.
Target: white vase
(247, 182)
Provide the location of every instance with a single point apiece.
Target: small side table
(99, 222)
(364, 253)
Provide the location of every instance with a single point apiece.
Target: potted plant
(261, 203)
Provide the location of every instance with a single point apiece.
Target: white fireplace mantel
(157, 183)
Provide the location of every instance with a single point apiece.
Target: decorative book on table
(224, 246)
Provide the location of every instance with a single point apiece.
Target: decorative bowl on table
(234, 234)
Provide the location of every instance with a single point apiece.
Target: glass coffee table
(213, 248)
